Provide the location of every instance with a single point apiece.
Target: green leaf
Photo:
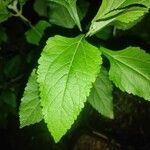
(40, 6)
(9, 98)
(126, 12)
(65, 9)
(7, 106)
(12, 66)
(35, 34)
(128, 19)
(3, 35)
(30, 109)
(67, 69)
(101, 95)
(57, 12)
(4, 13)
(82, 8)
(130, 70)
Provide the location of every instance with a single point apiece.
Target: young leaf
(35, 34)
(67, 69)
(30, 109)
(101, 95)
(66, 7)
(130, 70)
(126, 12)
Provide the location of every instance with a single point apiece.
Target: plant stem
(23, 18)
(28, 22)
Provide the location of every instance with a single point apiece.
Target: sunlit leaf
(67, 69)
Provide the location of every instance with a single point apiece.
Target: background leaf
(3, 35)
(12, 67)
(30, 109)
(68, 9)
(35, 34)
(101, 95)
(40, 6)
(8, 106)
(4, 13)
(57, 12)
(67, 68)
(130, 70)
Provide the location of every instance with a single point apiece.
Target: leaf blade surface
(30, 111)
(130, 70)
(67, 68)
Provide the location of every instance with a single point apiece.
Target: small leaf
(121, 13)
(67, 69)
(130, 70)
(101, 95)
(30, 109)
(68, 9)
(35, 34)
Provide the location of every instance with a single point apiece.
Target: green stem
(23, 18)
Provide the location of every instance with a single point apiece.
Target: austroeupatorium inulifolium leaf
(67, 69)
(30, 109)
(101, 97)
(130, 70)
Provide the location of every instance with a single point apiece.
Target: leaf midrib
(70, 66)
